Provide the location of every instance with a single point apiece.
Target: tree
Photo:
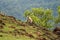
(57, 19)
(43, 17)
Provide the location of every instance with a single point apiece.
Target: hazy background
(16, 8)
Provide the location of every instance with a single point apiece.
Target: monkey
(29, 20)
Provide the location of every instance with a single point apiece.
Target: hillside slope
(13, 29)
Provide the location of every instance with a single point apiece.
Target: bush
(43, 17)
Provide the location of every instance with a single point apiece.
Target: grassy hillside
(13, 29)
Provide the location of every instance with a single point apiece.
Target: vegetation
(43, 17)
(12, 29)
(57, 19)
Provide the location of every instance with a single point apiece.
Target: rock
(1, 35)
(3, 23)
(30, 35)
(23, 30)
(1, 27)
(11, 17)
(0, 21)
(12, 27)
(57, 30)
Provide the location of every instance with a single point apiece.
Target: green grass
(10, 37)
(29, 29)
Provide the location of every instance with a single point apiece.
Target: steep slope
(13, 29)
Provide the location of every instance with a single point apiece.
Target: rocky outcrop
(57, 31)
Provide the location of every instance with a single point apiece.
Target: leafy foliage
(57, 19)
(43, 17)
